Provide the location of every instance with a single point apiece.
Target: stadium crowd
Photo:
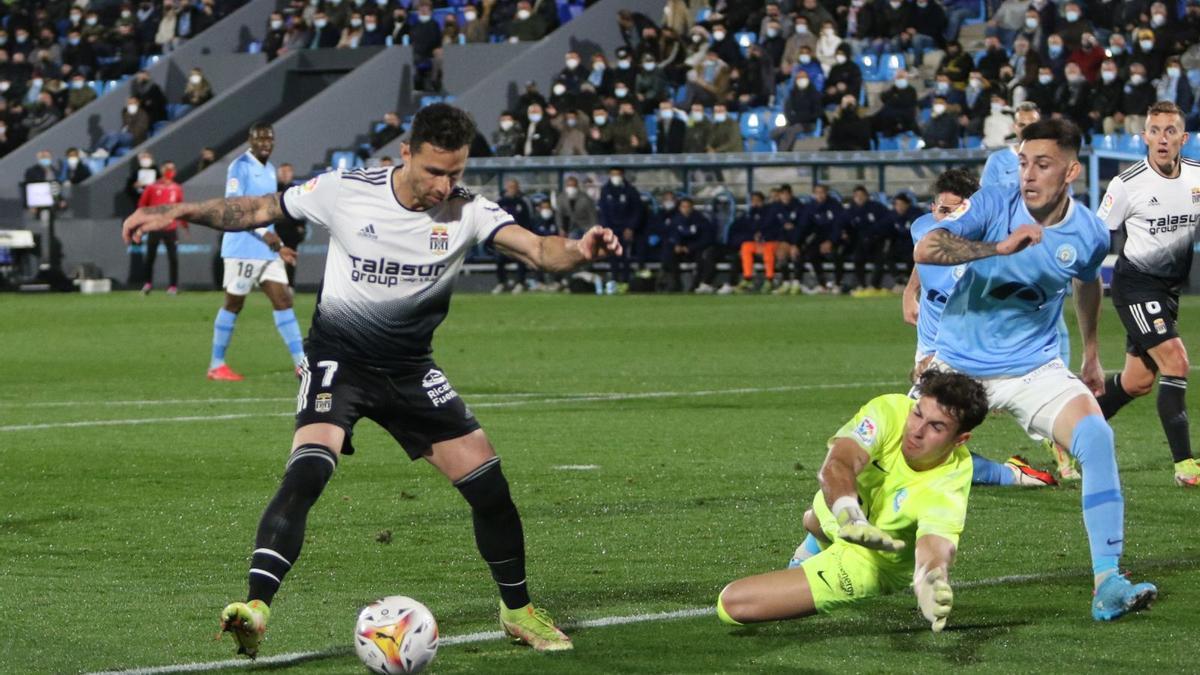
(733, 76)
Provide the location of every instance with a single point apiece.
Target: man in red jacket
(163, 191)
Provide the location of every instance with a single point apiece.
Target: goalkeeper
(892, 504)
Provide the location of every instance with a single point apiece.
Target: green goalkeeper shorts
(844, 573)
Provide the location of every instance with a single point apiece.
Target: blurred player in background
(892, 504)
(254, 258)
(1157, 204)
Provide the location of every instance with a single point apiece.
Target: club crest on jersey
(439, 239)
(1066, 255)
(324, 403)
(1195, 196)
(898, 500)
(865, 431)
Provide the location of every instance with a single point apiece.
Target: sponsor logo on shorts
(899, 499)
(437, 388)
(324, 403)
(1066, 255)
(1160, 326)
(865, 431)
(439, 239)
(845, 582)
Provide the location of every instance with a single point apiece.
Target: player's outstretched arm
(229, 214)
(557, 254)
(931, 579)
(838, 477)
(1089, 296)
(940, 247)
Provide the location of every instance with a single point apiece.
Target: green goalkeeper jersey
(904, 503)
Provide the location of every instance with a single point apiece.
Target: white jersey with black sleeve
(390, 270)
(1158, 215)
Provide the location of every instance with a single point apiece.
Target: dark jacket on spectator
(849, 131)
(941, 131)
(671, 135)
(1136, 99)
(695, 231)
(545, 138)
(620, 208)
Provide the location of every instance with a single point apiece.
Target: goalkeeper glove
(854, 527)
(934, 596)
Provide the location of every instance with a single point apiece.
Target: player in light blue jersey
(1026, 246)
(929, 287)
(254, 257)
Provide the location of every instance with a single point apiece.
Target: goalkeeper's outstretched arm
(838, 477)
(931, 579)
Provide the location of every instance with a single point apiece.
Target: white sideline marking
(295, 657)
(193, 401)
(283, 659)
(576, 467)
(563, 398)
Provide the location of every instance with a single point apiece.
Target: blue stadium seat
(886, 142)
(345, 159)
(431, 99)
(97, 86)
(576, 11)
(177, 110)
(702, 15)
(254, 47)
(109, 85)
(980, 15)
(1105, 142)
(1131, 143)
(157, 127)
(95, 164)
(972, 142)
(869, 66)
(889, 64)
(756, 124)
(744, 39)
(651, 122)
(910, 141)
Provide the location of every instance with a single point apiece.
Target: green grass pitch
(705, 417)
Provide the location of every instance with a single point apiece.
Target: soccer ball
(396, 634)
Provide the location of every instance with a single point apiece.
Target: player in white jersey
(1157, 204)
(398, 237)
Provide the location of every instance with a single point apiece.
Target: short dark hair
(443, 126)
(259, 127)
(903, 197)
(957, 181)
(1063, 132)
(962, 396)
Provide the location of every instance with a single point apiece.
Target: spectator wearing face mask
(80, 93)
(772, 43)
(898, 113)
(844, 78)
(1075, 99)
(690, 237)
(576, 210)
(600, 135)
(1105, 114)
(276, 30)
(74, 170)
(997, 124)
(198, 90)
(699, 128)
(526, 26)
(142, 172)
(352, 33)
(802, 36)
(708, 82)
(478, 23)
(150, 96)
(725, 45)
(79, 54)
(572, 134)
(1073, 26)
(629, 131)
(374, 34)
(725, 135)
(573, 73)
(1148, 52)
(1056, 56)
(326, 34)
(620, 209)
(42, 115)
(508, 140)
(1044, 90)
(829, 45)
(1173, 86)
(672, 129)
(1137, 97)
(1033, 30)
(801, 111)
(540, 136)
(135, 127)
(650, 87)
(43, 170)
(942, 130)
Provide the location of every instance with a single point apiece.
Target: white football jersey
(390, 270)
(1159, 215)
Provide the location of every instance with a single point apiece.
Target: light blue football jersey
(937, 282)
(1002, 169)
(1001, 317)
(248, 177)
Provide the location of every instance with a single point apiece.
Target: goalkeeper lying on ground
(892, 504)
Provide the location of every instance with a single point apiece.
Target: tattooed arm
(229, 215)
(940, 247)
